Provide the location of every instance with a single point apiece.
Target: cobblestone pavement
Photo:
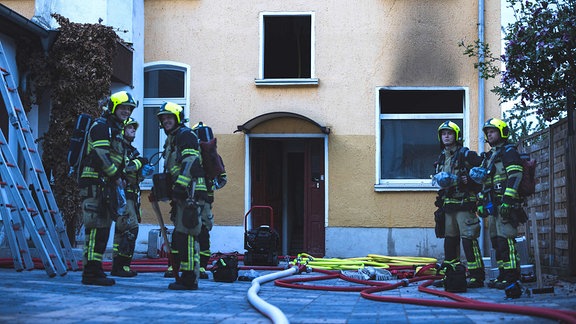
(31, 297)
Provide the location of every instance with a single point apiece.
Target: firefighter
(102, 184)
(501, 172)
(183, 162)
(457, 201)
(126, 229)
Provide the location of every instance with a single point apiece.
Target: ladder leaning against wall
(27, 201)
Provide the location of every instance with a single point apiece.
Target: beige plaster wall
(23, 7)
(359, 46)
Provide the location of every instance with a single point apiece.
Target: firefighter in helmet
(500, 175)
(126, 229)
(102, 182)
(457, 201)
(183, 162)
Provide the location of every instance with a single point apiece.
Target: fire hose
(564, 316)
(271, 311)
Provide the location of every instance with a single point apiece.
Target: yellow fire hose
(371, 260)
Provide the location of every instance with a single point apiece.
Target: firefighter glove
(482, 211)
(179, 192)
(505, 211)
(147, 170)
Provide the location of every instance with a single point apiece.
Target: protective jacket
(182, 158)
(504, 167)
(133, 171)
(106, 154)
(459, 195)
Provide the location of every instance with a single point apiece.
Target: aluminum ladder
(36, 178)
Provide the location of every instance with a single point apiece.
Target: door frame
(248, 174)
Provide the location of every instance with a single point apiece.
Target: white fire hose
(271, 311)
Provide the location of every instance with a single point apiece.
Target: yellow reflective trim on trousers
(92, 255)
(205, 253)
(478, 262)
(513, 263)
(188, 265)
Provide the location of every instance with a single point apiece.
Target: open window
(286, 49)
(407, 140)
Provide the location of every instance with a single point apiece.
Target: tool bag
(225, 268)
(455, 278)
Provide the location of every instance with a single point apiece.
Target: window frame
(155, 102)
(381, 184)
(313, 80)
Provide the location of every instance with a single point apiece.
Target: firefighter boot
(121, 267)
(187, 282)
(173, 265)
(494, 282)
(477, 277)
(510, 276)
(203, 265)
(203, 274)
(94, 275)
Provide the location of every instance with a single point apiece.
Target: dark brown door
(288, 175)
(314, 231)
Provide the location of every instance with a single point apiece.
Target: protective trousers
(185, 251)
(204, 236)
(97, 222)
(126, 231)
(502, 237)
(506, 258)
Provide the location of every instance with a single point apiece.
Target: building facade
(325, 111)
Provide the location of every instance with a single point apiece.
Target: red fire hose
(459, 301)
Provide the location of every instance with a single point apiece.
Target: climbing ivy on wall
(77, 71)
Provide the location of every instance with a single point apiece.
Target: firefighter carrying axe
(158, 212)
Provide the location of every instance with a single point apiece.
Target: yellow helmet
(131, 121)
(121, 98)
(498, 124)
(173, 109)
(450, 126)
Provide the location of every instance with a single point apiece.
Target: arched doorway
(287, 171)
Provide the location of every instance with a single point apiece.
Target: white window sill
(286, 82)
(404, 185)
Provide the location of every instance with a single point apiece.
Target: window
(286, 49)
(407, 133)
(163, 81)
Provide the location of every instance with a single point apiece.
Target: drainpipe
(481, 91)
